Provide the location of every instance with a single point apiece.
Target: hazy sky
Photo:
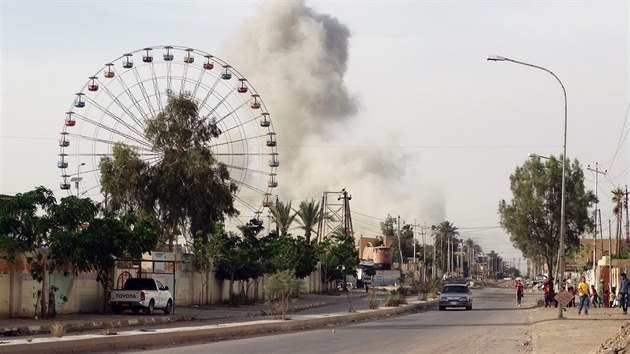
(414, 121)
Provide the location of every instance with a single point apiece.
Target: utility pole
(434, 247)
(414, 242)
(400, 252)
(597, 173)
(627, 217)
(424, 255)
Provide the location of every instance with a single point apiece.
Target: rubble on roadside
(618, 343)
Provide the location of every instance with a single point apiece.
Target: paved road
(493, 326)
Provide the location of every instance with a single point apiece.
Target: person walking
(594, 296)
(623, 293)
(600, 292)
(548, 292)
(583, 292)
(519, 292)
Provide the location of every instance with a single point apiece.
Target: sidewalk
(74, 323)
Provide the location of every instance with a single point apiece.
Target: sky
(394, 101)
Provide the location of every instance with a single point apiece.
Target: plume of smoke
(297, 59)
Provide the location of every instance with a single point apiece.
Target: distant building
(379, 256)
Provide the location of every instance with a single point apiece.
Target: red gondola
(242, 88)
(267, 200)
(93, 86)
(147, 58)
(70, 122)
(208, 65)
(255, 104)
(271, 141)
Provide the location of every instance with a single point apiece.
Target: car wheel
(116, 310)
(469, 307)
(442, 308)
(168, 308)
(149, 309)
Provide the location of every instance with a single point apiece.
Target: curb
(92, 342)
(82, 326)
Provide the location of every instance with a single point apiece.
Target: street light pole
(564, 158)
(78, 178)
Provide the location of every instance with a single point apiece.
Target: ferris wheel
(114, 104)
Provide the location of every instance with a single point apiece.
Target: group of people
(599, 297)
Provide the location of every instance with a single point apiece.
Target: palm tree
(309, 215)
(617, 198)
(470, 243)
(283, 217)
(446, 232)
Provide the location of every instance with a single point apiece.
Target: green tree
(283, 216)
(26, 231)
(292, 254)
(338, 257)
(185, 185)
(532, 217)
(33, 224)
(230, 256)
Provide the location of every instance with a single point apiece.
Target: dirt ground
(602, 331)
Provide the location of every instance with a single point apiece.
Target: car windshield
(455, 289)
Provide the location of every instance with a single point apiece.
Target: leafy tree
(232, 257)
(283, 216)
(532, 217)
(338, 257)
(185, 186)
(33, 224)
(578, 255)
(388, 227)
(292, 254)
(26, 231)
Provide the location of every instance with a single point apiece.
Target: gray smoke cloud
(297, 59)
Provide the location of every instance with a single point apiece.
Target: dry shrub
(57, 330)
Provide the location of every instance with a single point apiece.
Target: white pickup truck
(144, 294)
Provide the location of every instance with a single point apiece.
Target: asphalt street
(495, 325)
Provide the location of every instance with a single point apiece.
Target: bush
(57, 330)
(394, 300)
(279, 289)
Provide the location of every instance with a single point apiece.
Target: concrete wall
(18, 290)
